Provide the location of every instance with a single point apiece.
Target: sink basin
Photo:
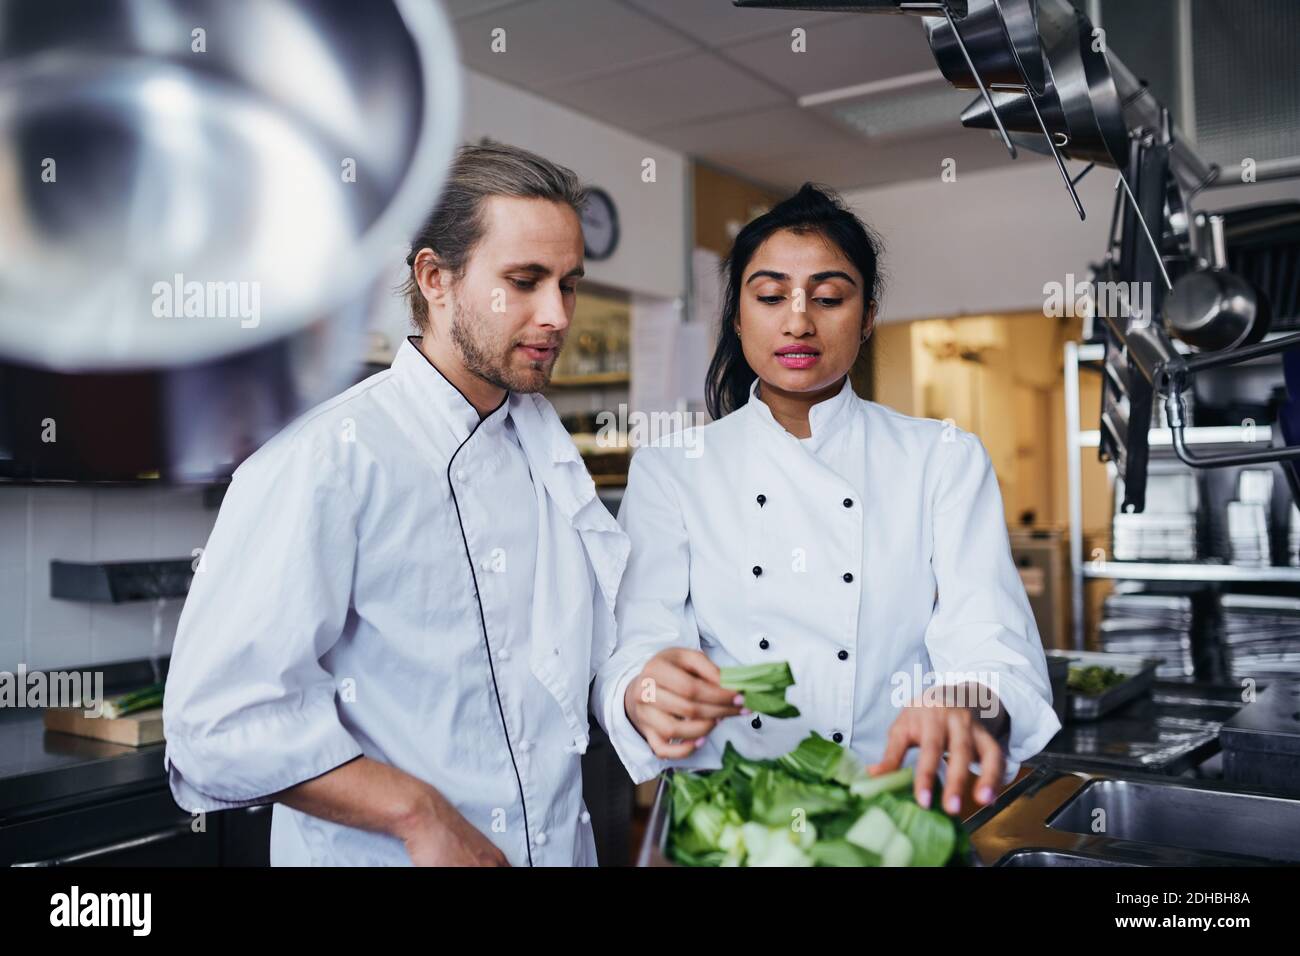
(1054, 858)
(1184, 817)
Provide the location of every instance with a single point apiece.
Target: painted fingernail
(738, 699)
(699, 742)
(924, 800)
(745, 712)
(954, 803)
(984, 795)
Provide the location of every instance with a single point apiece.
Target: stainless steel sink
(1185, 817)
(1054, 858)
(1056, 817)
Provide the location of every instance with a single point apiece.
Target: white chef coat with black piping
(337, 614)
(872, 556)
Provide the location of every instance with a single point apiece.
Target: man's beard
(476, 353)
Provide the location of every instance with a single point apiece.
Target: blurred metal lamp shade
(199, 199)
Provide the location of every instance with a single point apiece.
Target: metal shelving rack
(1077, 439)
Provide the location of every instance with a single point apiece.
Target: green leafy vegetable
(1093, 679)
(818, 759)
(763, 686)
(814, 806)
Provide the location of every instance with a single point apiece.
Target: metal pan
(1001, 38)
(1139, 672)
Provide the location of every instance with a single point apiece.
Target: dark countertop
(1173, 730)
(41, 770)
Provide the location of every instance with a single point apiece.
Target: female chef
(805, 524)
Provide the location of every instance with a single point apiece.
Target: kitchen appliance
(201, 199)
(1261, 743)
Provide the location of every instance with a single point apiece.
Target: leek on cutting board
(119, 705)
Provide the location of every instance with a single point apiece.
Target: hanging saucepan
(199, 198)
(1080, 105)
(957, 7)
(1001, 37)
(1213, 309)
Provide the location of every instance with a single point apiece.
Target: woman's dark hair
(813, 209)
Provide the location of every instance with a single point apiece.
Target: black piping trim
(469, 559)
(504, 398)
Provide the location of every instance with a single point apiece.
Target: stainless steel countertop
(1172, 730)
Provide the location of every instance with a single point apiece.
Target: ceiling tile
(714, 22)
(874, 165)
(757, 136)
(842, 51)
(553, 41)
(678, 91)
(459, 9)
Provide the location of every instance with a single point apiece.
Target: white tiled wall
(80, 523)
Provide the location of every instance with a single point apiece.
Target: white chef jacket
(872, 556)
(335, 613)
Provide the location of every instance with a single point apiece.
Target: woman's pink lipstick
(798, 356)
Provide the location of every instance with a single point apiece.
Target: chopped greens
(763, 686)
(814, 806)
(1093, 679)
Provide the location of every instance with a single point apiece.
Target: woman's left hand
(936, 726)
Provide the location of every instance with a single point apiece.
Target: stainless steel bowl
(186, 184)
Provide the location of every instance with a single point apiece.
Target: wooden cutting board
(140, 729)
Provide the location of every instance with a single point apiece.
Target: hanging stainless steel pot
(1001, 38)
(1080, 105)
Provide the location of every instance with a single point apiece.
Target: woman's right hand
(676, 700)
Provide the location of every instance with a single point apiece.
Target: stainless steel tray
(1139, 676)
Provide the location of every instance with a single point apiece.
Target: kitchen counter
(1174, 730)
(41, 770)
(1059, 817)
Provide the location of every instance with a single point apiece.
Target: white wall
(82, 523)
(986, 242)
(989, 241)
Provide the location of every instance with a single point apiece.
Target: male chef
(408, 590)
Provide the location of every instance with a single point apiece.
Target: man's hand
(676, 700)
(438, 835)
(936, 724)
(375, 796)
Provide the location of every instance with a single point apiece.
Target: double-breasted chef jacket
(872, 556)
(394, 577)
